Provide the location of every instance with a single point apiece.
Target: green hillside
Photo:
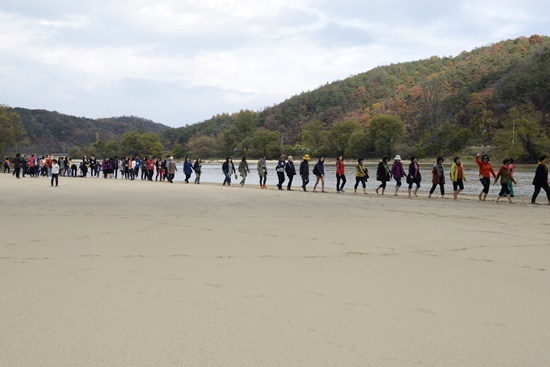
(497, 95)
(55, 132)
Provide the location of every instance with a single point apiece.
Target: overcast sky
(179, 62)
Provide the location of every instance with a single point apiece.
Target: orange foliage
(400, 89)
(415, 92)
(535, 39)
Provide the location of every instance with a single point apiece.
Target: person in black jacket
(280, 169)
(290, 172)
(17, 163)
(383, 174)
(228, 169)
(304, 171)
(414, 177)
(540, 181)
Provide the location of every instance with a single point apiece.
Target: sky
(179, 62)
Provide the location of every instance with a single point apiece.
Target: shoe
(342, 191)
(323, 191)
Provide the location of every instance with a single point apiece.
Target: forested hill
(496, 95)
(55, 132)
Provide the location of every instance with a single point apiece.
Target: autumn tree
(385, 132)
(339, 135)
(140, 143)
(314, 135)
(521, 136)
(265, 142)
(202, 146)
(245, 123)
(431, 108)
(12, 131)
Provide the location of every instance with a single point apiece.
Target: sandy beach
(129, 273)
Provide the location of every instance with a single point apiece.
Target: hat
(290, 157)
(306, 157)
(397, 157)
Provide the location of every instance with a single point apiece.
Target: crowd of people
(164, 169)
(286, 170)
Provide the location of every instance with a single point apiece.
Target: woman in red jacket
(340, 174)
(485, 172)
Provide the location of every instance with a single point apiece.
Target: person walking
(304, 171)
(228, 169)
(485, 172)
(340, 174)
(171, 170)
(397, 172)
(243, 170)
(290, 172)
(414, 177)
(438, 177)
(512, 168)
(7, 165)
(361, 176)
(505, 176)
(55, 173)
(540, 181)
(187, 169)
(280, 169)
(150, 168)
(383, 174)
(458, 176)
(17, 163)
(319, 172)
(197, 167)
(262, 171)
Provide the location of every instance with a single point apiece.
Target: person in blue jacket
(187, 169)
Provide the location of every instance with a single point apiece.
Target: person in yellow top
(458, 176)
(361, 175)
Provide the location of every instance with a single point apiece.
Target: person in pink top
(511, 167)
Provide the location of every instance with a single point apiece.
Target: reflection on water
(212, 172)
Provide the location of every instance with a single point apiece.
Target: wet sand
(118, 273)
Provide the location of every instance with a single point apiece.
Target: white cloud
(179, 62)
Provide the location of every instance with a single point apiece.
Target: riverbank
(127, 273)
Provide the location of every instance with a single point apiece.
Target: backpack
(315, 171)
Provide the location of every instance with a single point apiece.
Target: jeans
(305, 181)
(227, 179)
(55, 177)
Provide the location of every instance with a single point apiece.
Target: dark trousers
(290, 178)
(263, 180)
(441, 187)
(305, 181)
(545, 187)
(504, 190)
(281, 176)
(341, 178)
(55, 177)
(486, 182)
(361, 180)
